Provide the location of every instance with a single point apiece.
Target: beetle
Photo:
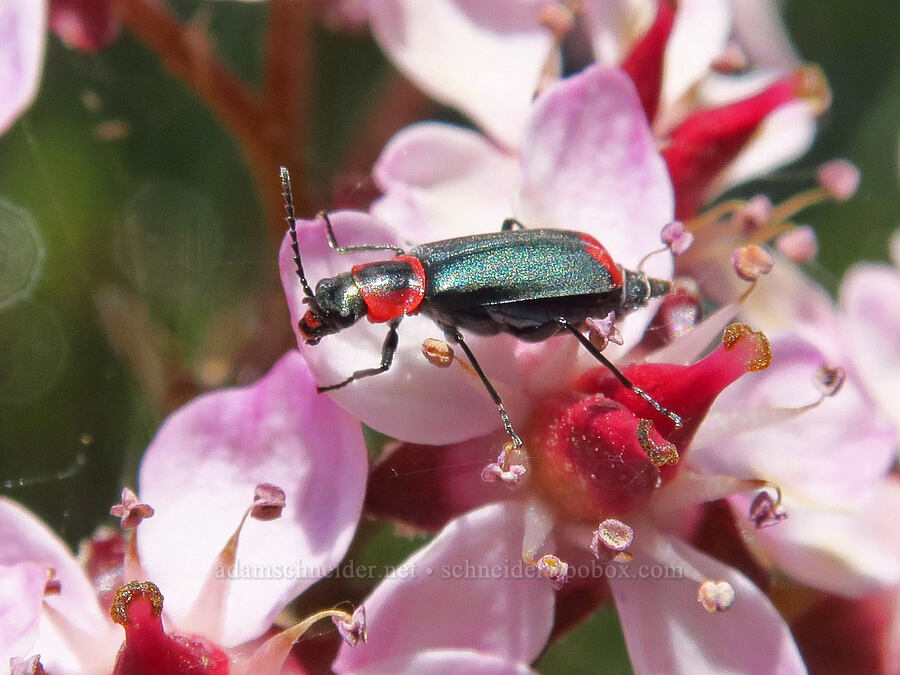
(532, 283)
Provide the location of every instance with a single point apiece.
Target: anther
(752, 216)
(554, 570)
(268, 502)
(660, 454)
(829, 379)
(437, 352)
(52, 586)
(731, 60)
(766, 511)
(751, 262)
(504, 470)
(131, 510)
(353, 631)
(676, 237)
(612, 537)
(715, 596)
(603, 331)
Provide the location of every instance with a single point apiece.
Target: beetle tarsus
(510, 223)
(387, 357)
(453, 335)
(618, 373)
(343, 250)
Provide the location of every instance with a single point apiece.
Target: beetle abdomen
(509, 267)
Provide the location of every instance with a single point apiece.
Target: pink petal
(590, 163)
(413, 401)
(699, 35)
(788, 300)
(470, 190)
(445, 46)
(448, 662)
(23, 26)
(21, 594)
(784, 136)
(667, 631)
(829, 455)
(435, 600)
(26, 540)
(870, 300)
(762, 34)
(849, 552)
(200, 471)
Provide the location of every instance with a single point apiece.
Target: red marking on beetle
(601, 255)
(384, 302)
(311, 320)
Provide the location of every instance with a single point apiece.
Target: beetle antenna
(288, 193)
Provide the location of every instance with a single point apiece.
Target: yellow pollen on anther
(761, 355)
(660, 455)
(130, 592)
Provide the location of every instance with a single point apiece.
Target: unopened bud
(752, 216)
(839, 178)
(799, 244)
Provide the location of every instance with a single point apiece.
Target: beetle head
(337, 304)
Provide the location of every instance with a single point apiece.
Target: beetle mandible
(531, 283)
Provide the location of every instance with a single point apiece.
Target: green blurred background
(139, 203)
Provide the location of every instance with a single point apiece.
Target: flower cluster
(702, 473)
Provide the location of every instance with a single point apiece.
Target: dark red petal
(425, 486)
(839, 635)
(645, 61)
(706, 142)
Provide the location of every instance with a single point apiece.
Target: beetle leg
(455, 336)
(387, 356)
(332, 242)
(617, 373)
(509, 223)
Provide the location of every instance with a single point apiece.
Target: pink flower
(588, 163)
(23, 27)
(460, 604)
(200, 473)
(592, 459)
(85, 24)
(870, 319)
(716, 130)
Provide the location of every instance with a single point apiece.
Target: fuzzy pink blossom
(200, 473)
(23, 27)
(716, 130)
